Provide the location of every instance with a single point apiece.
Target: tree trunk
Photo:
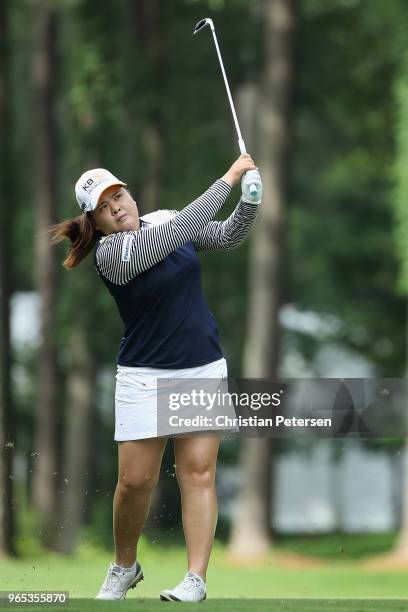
(150, 34)
(7, 437)
(80, 394)
(251, 527)
(401, 545)
(48, 404)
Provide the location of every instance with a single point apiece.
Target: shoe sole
(137, 579)
(169, 597)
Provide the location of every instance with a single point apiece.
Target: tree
(251, 525)
(344, 138)
(7, 425)
(48, 403)
(401, 231)
(147, 28)
(77, 438)
(78, 313)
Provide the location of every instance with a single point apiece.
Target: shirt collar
(143, 223)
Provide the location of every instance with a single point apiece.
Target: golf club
(251, 181)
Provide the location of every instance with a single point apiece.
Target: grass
(283, 576)
(302, 574)
(338, 546)
(238, 605)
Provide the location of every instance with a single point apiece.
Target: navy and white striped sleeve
(228, 234)
(120, 257)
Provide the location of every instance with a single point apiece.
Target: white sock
(126, 569)
(198, 576)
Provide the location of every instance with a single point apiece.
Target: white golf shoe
(118, 581)
(191, 588)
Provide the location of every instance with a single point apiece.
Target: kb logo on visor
(88, 183)
(92, 182)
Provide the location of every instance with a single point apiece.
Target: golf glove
(251, 186)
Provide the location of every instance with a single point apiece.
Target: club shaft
(234, 114)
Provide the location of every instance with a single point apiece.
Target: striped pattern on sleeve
(120, 257)
(228, 234)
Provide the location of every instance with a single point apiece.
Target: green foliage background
(347, 226)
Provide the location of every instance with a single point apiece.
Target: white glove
(251, 186)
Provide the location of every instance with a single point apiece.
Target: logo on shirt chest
(127, 246)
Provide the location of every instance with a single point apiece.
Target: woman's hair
(83, 235)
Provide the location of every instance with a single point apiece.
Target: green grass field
(301, 574)
(239, 605)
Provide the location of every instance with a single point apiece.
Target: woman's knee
(131, 483)
(196, 474)
(139, 465)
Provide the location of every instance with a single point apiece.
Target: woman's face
(116, 211)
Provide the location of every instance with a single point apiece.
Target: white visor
(91, 185)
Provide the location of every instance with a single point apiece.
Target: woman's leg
(139, 469)
(196, 459)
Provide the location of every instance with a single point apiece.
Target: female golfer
(150, 266)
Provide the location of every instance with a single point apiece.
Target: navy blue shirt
(154, 276)
(167, 321)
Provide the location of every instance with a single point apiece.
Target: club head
(202, 24)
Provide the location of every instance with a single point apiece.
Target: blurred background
(319, 289)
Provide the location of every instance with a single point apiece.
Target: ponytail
(83, 235)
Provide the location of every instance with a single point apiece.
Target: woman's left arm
(228, 234)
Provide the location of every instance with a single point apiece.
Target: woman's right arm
(124, 255)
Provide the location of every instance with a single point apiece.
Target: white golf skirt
(136, 396)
